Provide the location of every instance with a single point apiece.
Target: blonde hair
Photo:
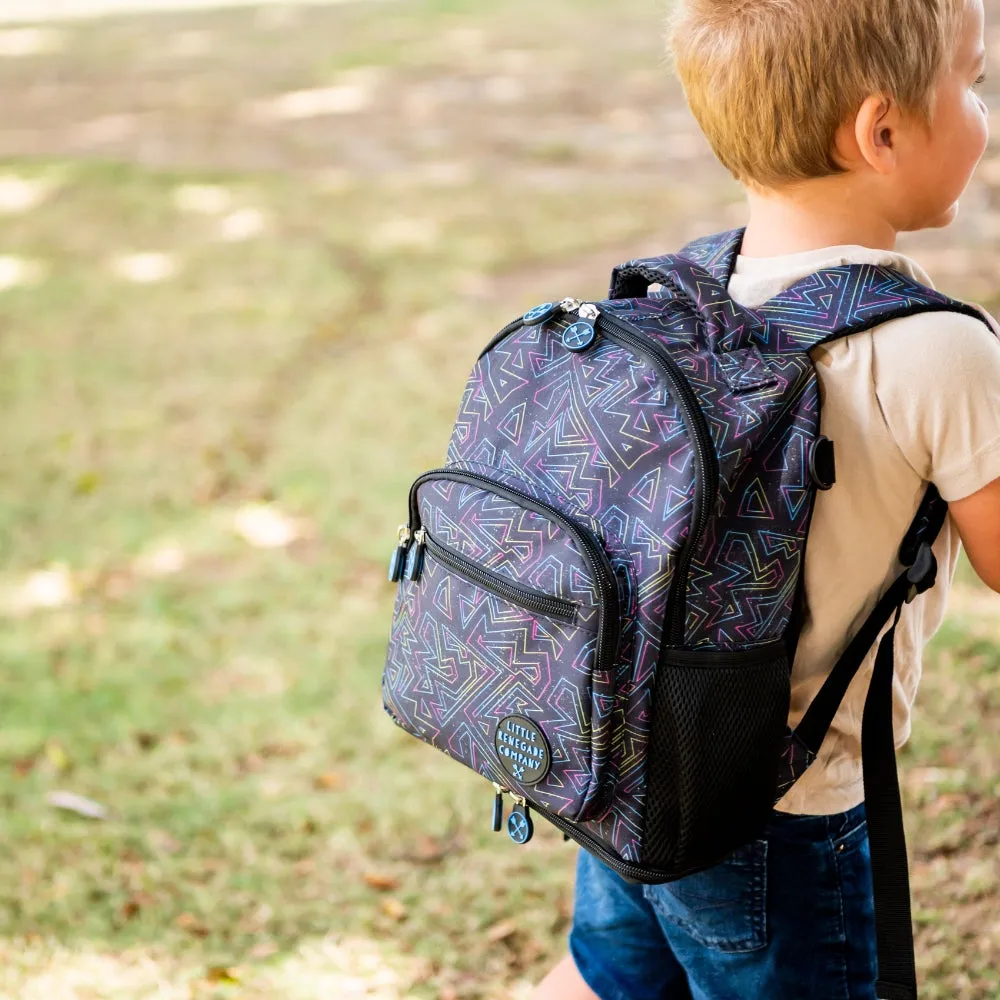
(771, 81)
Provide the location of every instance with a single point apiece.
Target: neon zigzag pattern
(599, 436)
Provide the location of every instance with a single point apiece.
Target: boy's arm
(978, 521)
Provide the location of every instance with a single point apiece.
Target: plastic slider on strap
(922, 573)
(823, 464)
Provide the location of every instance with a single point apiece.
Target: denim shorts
(788, 917)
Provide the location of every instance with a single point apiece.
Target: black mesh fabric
(718, 722)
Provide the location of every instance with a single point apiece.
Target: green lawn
(229, 338)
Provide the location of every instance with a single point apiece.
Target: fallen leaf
(432, 850)
(393, 909)
(190, 923)
(382, 882)
(145, 740)
(135, 904)
(328, 781)
(221, 974)
(23, 766)
(78, 804)
(501, 931)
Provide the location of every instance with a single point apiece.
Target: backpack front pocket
(505, 639)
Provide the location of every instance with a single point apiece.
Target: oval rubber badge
(579, 336)
(539, 313)
(522, 749)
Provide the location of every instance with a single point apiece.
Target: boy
(848, 123)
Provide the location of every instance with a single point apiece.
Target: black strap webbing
(816, 722)
(897, 977)
(897, 972)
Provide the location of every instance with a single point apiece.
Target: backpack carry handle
(703, 292)
(632, 281)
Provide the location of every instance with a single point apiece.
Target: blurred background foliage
(248, 257)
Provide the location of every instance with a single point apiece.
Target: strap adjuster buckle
(922, 573)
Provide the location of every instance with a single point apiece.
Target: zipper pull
(519, 825)
(398, 562)
(580, 335)
(415, 562)
(540, 314)
(498, 808)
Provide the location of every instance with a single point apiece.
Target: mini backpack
(600, 591)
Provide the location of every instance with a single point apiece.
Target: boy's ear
(875, 129)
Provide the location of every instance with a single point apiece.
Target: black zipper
(515, 593)
(505, 332)
(706, 460)
(706, 483)
(637, 873)
(609, 622)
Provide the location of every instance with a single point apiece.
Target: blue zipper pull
(498, 808)
(580, 335)
(415, 561)
(398, 561)
(540, 314)
(519, 825)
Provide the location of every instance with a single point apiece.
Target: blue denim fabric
(788, 917)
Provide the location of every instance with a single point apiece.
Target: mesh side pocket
(715, 743)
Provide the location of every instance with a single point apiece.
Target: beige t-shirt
(915, 400)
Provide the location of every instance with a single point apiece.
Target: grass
(269, 832)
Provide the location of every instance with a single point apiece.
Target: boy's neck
(811, 215)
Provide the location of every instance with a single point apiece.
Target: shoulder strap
(897, 977)
(839, 301)
(822, 307)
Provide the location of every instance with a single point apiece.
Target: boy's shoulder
(937, 381)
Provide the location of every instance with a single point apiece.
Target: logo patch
(522, 749)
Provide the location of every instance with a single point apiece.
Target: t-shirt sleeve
(937, 379)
